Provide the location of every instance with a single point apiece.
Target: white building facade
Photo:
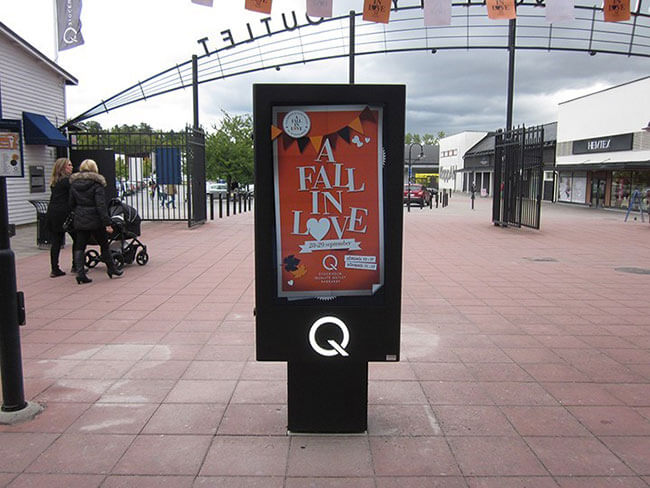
(452, 151)
(603, 146)
(31, 84)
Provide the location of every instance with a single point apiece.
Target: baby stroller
(123, 242)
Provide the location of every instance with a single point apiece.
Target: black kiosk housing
(327, 391)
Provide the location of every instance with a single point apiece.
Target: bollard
(437, 198)
(234, 205)
(239, 198)
(228, 204)
(211, 206)
(220, 206)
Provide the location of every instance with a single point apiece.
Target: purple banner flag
(68, 15)
(319, 8)
(207, 3)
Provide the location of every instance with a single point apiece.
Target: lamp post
(411, 169)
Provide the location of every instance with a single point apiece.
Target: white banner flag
(319, 8)
(559, 10)
(68, 17)
(207, 3)
(437, 12)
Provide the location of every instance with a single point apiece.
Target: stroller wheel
(118, 259)
(92, 258)
(142, 258)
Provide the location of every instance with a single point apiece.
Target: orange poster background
(263, 6)
(616, 10)
(501, 9)
(376, 10)
(306, 273)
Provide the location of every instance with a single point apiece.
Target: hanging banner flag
(559, 11)
(207, 3)
(262, 6)
(501, 9)
(437, 12)
(319, 8)
(616, 10)
(68, 15)
(376, 11)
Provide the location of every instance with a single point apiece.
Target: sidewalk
(525, 363)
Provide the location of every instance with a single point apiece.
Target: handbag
(68, 223)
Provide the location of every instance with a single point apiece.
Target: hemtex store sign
(621, 142)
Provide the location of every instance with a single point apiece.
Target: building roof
(605, 89)
(486, 145)
(69, 79)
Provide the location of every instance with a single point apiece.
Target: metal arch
(327, 39)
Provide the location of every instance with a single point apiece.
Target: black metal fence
(160, 174)
(518, 177)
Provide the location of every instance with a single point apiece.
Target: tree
(229, 150)
(428, 139)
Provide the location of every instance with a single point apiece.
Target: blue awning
(39, 130)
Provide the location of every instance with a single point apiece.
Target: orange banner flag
(501, 9)
(376, 10)
(262, 6)
(616, 10)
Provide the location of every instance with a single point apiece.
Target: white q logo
(70, 35)
(330, 263)
(336, 347)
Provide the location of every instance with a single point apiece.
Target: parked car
(417, 194)
(216, 187)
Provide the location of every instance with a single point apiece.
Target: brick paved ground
(526, 362)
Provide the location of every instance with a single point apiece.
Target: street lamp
(411, 169)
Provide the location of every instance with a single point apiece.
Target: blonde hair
(58, 171)
(89, 165)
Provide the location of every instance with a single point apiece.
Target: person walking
(91, 218)
(57, 211)
(171, 194)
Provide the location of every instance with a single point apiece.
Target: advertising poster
(10, 163)
(328, 200)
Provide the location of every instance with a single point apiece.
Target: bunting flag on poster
(319, 8)
(262, 6)
(501, 9)
(68, 17)
(559, 11)
(207, 3)
(616, 10)
(376, 11)
(437, 12)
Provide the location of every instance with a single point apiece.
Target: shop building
(479, 164)
(452, 152)
(32, 90)
(603, 146)
(424, 169)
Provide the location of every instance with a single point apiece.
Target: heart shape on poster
(318, 228)
(290, 282)
(367, 139)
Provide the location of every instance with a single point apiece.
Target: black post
(220, 206)
(11, 363)
(352, 52)
(211, 206)
(228, 204)
(239, 198)
(195, 90)
(234, 204)
(511, 70)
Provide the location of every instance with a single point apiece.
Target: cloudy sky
(130, 40)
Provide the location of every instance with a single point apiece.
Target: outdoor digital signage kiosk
(328, 243)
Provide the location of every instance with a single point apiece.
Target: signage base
(327, 397)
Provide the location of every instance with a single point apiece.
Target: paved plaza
(525, 363)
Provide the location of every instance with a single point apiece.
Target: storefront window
(624, 185)
(572, 187)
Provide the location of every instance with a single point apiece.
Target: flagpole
(56, 33)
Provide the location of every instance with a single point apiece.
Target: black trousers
(56, 238)
(83, 237)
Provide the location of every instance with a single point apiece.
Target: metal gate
(518, 177)
(160, 174)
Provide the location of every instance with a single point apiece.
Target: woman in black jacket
(90, 217)
(57, 210)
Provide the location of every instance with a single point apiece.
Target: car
(216, 187)
(416, 194)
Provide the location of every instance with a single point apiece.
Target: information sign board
(11, 149)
